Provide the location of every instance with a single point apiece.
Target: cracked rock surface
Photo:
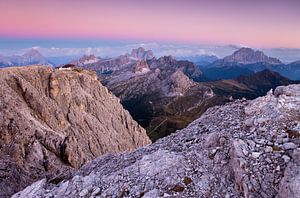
(242, 149)
(52, 121)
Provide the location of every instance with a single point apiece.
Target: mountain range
(164, 94)
(31, 57)
(202, 60)
(64, 134)
(246, 61)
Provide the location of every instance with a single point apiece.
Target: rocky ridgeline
(242, 149)
(247, 56)
(31, 57)
(52, 121)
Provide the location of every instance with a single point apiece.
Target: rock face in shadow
(242, 149)
(52, 121)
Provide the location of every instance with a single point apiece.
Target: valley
(164, 94)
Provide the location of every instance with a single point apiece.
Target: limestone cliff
(242, 149)
(54, 120)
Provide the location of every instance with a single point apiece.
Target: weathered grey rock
(212, 157)
(290, 183)
(289, 145)
(55, 120)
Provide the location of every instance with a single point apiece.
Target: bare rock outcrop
(247, 56)
(142, 54)
(177, 84)
(242, 149)
(52, 121)
(141, 67)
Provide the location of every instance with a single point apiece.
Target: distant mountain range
(250, 86)
(246, 61)
(163, 94)
(202, 60)
(246, 56)
(31, 57)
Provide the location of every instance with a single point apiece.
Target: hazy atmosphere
(182, 28)
(150, 99)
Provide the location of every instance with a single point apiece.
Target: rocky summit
(242, 149)
(142, 54)
(53, 121)
(248, 56)
(30, 57)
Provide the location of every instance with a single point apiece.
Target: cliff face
(242, 149)
(54, 120)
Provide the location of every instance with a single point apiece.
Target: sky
(259, 23)
(263, 24)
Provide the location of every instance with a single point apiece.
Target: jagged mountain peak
(166, 59)
(32, 52)
(85, 60)
(250, 56)
(30, 57)
(142, 54)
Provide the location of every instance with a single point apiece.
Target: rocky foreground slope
(242, 149)
(55, 120)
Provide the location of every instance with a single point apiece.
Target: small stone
(96, 192)
(286, 158)
(187, 181)
(268, 160)
(227, 195)
(83, 193)
(284, 140)
(178, 188)
(223, 162)
(255, 154)
(249, 122)
(268, 149)
(289, 145)
(278, 168)
(213, 151)
(222, 141)
(262, 129)
(260, 141)
(251, 144)
(261, 120)
(245, 152)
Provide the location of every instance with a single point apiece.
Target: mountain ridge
(55, 120)
(30, 57)
(242, 149)
(163, 95)
(247, 58)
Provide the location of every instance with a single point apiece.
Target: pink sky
(259, 23)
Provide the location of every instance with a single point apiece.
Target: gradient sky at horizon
(257, 23)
